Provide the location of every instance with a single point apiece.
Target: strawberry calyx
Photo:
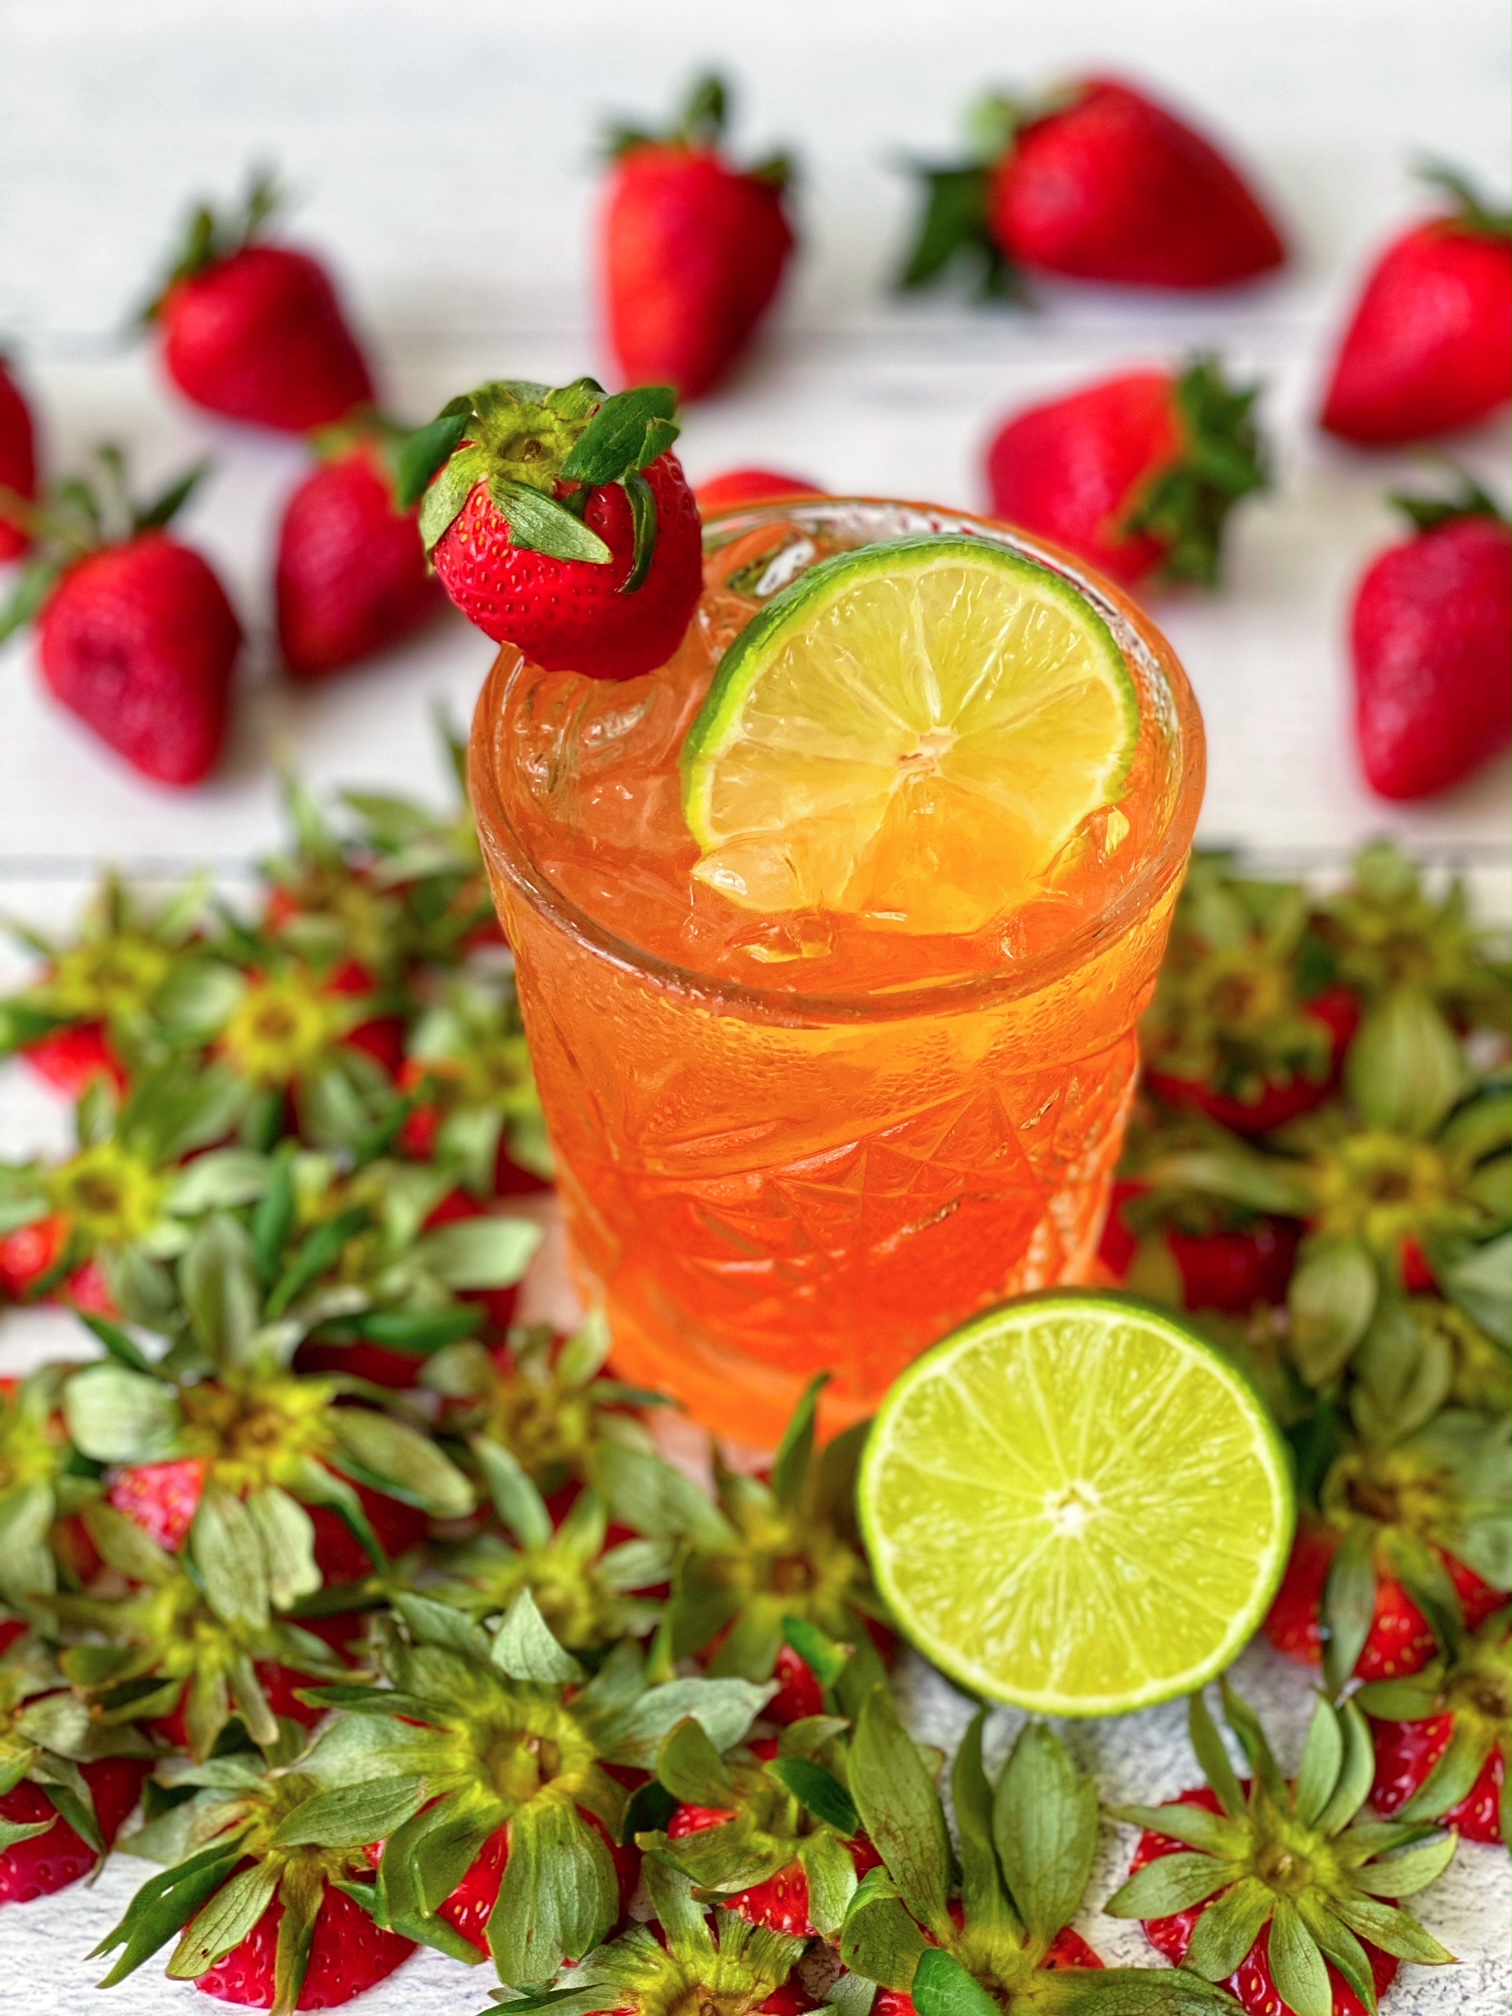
(954, 230)
(541, 453)
(42, 1481)
(1471, 500)
(1289, 1862)
(1471, 211)
(212, 236)
(186, 1649)
(687, 1958)
(776, 1551)
(1457, 1709)
(986, 1933)
(507, 1729)
(1221, 459)
(772, 1831)
(245, 1841)
(700, 128)
(79, 517)
(47, 1736)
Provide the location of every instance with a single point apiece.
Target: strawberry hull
(53, 1861)
(348, 1955)
(1405, 1754)
(468, 1907)
(1251, 1981)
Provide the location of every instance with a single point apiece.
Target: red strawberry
(72, 1058)
(351, 577)
(1136, 473)
(1430, 636)
(140, 642)
(348, 1955)
(134, 631)
(255, 331)
(1067, 1949)
(1281, 1098)
(1233, 1270)
(311, 1946)
(800, 1691)
(1281, 1890)
(693, 249)
(29, 1255)
(1252, 1981)
(161, 1498)
(50, 1861)
(1442, 1737)
(18, 464)
(1100, 183)
(1400, 1640)
(468, 1907)
(560, 522)
(1428, 347)
(751, 486)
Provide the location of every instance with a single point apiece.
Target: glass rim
(1162, 865)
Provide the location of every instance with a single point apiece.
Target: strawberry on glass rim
(560, 522)
(1276, 1887)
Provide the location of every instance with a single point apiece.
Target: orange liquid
(797, 1143)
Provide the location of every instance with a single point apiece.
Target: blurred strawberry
(1096, 181)
(1136, 473)
(255, 331)
(693, 249)
(561, 522)
(18, 466)
(351, 577)
(751, 486)
(1429, 346)
(1431, 636)
(134, 632)
(72, 1058)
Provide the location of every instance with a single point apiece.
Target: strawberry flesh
(18, 462)
(1406, 1752)
(348, 1955)
(52, 1861)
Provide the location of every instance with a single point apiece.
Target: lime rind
(867, 698)
(937, 1553)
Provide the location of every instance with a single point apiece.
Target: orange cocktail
(796, 1140)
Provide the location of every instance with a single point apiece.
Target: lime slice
(1076, 1505)
(913, 730)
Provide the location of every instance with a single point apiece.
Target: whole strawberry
(351, 576)
(1099, 182)
(1275, 1887)
(18, 465)
(135, 634)
(1430, 637)
(560, 522)
(1136, 473)
(255, 331)
(693, 250)
(1429, 346)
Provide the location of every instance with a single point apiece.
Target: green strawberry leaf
(393, 1457)
(287, 1533)
(1208, 1748)
(227, 1551)
(624, 436)
(559, 1896)
(524, 1648)
(1318, 1772)
(901, 1811)
(443, 502)
(165, 1903)
(819, 1790)
(479, 1252)
(540, 524)
(690, 1767)
(832, 1880)
(1405, 1068)
(1297, 1966)
(1044, 1821)
(1211, 1833)
(1349, 1600)
(351, 1816)
(1479, 1280)
(224, 1921)
(1331, 1298)
(1168, 1884)
(879, 1938)
(942, 1987)
(1392, 1930)
(1338, 1944)
(423, 454)
(1414, 1869)
(725, 1709)
(1226, 1931)
(118, 1416)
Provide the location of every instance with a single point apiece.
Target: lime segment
(912, 730)
(1076, 1505)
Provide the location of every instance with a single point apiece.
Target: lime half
(1076, 1505)
(913, 730)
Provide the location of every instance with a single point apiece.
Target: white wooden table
(444, 160)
